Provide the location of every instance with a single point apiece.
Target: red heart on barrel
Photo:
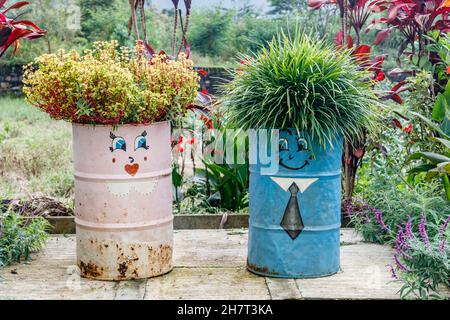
(132, 169)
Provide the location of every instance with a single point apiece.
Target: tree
(286, 6)
(211, 32)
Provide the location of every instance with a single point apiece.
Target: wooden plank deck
(209, 264)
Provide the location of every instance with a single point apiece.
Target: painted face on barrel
(295, 153)
(129, 154)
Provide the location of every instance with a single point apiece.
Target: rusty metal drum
(123, 200)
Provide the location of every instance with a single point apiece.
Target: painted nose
(131, 159)
(291, 157)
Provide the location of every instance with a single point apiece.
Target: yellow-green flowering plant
(111, 85)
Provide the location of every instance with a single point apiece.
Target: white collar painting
(124, 188)
(302, 183)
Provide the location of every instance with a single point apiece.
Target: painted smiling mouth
(306, 163)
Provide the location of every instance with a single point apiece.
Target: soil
(36, 207)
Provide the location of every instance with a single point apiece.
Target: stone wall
(11, 79)
(214, 78)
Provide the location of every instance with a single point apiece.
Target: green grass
(20, 237)
(302, 83)
(35, 153)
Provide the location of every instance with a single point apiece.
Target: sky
(259, 4)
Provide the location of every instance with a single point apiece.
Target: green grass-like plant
(19, 237)
(310, 85)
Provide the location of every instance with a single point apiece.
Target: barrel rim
(153, 175)
(126, 125)
(145, 276)
(85, 224)
(293, 276)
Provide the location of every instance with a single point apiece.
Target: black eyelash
(146, 147)
(144, 134)
(113, 136)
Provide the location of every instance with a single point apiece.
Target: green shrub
(19, 237)
(106, 85)
(393, 201)
(422, 261)
(297, 82)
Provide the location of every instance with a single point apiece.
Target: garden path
(209, 264)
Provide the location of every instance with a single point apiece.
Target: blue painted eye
(141, 141)
(302, 144)
(283, 144)
(119, 143)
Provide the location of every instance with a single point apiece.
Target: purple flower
(400, 238)
(444, 226)
(380, 220)
(408, 228)
(401, 244)
(422, 231)
(348, 209)
(399, 264)
(442, 246)
(393, 273)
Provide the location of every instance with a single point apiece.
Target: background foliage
(216, 34)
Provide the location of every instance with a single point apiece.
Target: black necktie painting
(292, 221)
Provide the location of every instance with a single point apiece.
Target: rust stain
(90, 269)
(127, 266)
(165, 254)
(133, 261)
(261, 269)
(159, 259)
(123, 267)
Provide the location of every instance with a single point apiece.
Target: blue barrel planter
(295, 214)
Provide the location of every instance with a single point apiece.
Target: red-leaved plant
(12, 30)
(354, 14)
(414, 19)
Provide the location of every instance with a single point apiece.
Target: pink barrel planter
(123, 200)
